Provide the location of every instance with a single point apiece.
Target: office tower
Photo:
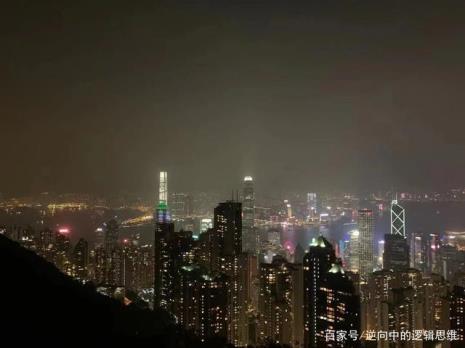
(226, 249)
(80, 259)
(111, 233)
(354, 251)
(249, 234)
(180, 205)
(396, 252)
(366, 231)
(311, 205)
(397, 219)
(457, 315)
(164, 230)
(418, 251)
(340, 307)
(163, 189)
(317, 262)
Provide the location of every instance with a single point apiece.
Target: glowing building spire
(163, 190)
(397, 218)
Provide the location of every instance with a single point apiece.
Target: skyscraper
(330, 300)
(275, 301)
(396, 252)
(340, 308)
(311, 205)
(164, 228)
(163, 188)
(249, 234)
(397, 219)
(317, 261)
(366, 231)
(80, 258)
(111, 234)
(226, 250)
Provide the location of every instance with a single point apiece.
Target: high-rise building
(275, 301)
(226, 250)
(354, 251)
(180, 205)
(457, 315)
(312, 205)
(80, 259)
(330, 299)
(202, 302)
(249, 234)
(396, 252)
(418, 251)
(366, 231)
(163, 188)
(227, 230)
(340, 308)
(317, 262)
(164, 230)
(111, 233)
(397, 219)
(163, 277)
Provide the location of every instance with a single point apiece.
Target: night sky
(97, 96)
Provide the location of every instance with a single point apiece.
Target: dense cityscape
(232, 173)
(304, 272)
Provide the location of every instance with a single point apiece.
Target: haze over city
(100, 96)
(221, 174)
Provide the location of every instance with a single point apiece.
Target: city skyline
(233, 173)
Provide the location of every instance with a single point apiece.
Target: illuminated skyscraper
(311, 205)
(366, 231)
(226, 250)
(164, 228)
(249, 233)
(163, 188)
(397, 219)
(317, 261)
(354, 253)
